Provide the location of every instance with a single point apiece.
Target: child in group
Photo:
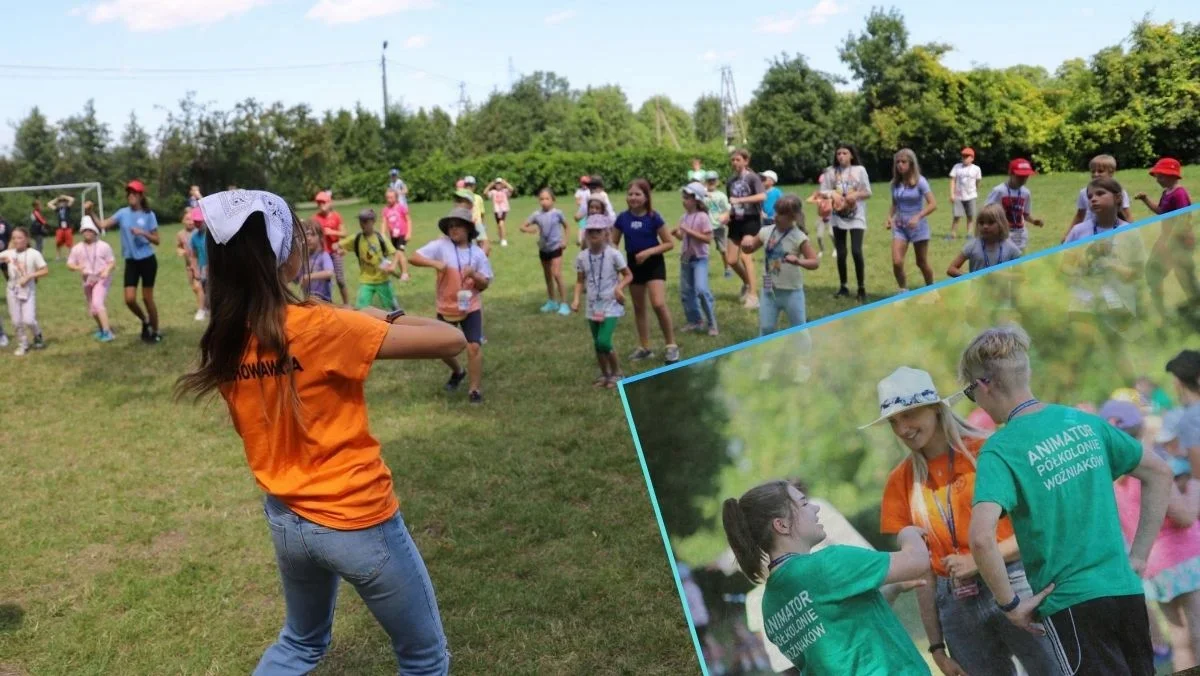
(718, 211)
(317, 278)
(595, 190)
(193, 199)
(827, 202)
(602, 270)
(1101, 166)
(37, 225)
(465, 199)
(378, 260)
(499, 191)
(94, 261)
(912, 202)
(773, 193)
(991, 247)
(463, 273)
(183, 249)
(139, 236)
(331, 227)
(1101, 194)
(399, 226)
(1175, 248)
(773, 531)
(695, 234)
(788, 253)
(965, 178)
(550, 225)
(646, 240)
(1017, 201)
(198, 253)
(25, 267)
(581, 208)
(478, 212)
(63, 235)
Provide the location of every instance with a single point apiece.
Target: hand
(439, 265)
(641, 256)
(947, 665)
(468, 272)
(1139, 566)
(1037, 221)
(1140, 196)
(304, 279)
(23, 280)
(105, 273)
(914, 222)
(792, 258)
(1022, 615)
(619, 296)
(849, 202)
(137, 232)
(575, 306)
(961, 566)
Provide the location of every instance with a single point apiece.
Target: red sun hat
(1021, 167)
(135, 186)
(1167, 166)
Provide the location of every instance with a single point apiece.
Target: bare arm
(753, 245)
(955, 269)
(809, 260)
(912, 561)
(1183, 506)
(423, 262)
(665, 245)
(705, 237)
(989, 560)
(1155, 475)
(579, 281)
(419, 338)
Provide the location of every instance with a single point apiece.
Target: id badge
(768, 285)
(965, 590)
(598, 316)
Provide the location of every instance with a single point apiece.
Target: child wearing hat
(694, 233)
(378, 261)
(965, 178)
(1176, 244)
(198, 254)
(601, 269)
(139, 236)
(773, 193)
(94, 261)
(1017, 201)
(463, 273)
(499, 191)
(331, 227)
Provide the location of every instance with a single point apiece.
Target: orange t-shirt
(897, 511)
(326, 467)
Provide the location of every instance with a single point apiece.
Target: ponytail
(747, 521)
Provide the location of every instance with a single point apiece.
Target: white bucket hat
(905, 389)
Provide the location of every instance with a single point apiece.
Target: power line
(179, 71)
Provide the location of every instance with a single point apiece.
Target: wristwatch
(394, 315)
(936, 647)
(1011, 605)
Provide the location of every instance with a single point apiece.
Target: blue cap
(1127, 415)
(395, 171)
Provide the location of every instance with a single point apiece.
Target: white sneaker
(200, 315)
(504, 242)
(20, 351)
(3, 340)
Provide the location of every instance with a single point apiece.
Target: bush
(529, 172)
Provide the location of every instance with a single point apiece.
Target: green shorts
(367, 293)
(602, 334)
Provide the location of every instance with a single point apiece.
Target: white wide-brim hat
(905, 389)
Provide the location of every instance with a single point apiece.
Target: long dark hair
(747, 522)
(853, 155)
(246, 298)
(145, 201)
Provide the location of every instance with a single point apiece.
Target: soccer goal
(84, 189)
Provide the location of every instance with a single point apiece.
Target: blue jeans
(773, 301)
(694, 291)
(385, 568)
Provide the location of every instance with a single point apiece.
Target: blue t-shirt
(773, 196)
(640, 232)
(198, 245)
(64, 215)
(135, 248)
(910, 200)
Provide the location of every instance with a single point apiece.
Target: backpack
(358, 240)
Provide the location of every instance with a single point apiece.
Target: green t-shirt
(824, 611)
(1052, 471)
(371, 250)
(783, 276)
(717, 203)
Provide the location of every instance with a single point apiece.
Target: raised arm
(419, 338)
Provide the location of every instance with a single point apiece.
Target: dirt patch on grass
(12, 670)
(166, 544)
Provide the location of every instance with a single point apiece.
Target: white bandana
(226, 212)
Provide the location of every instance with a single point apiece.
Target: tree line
(1137, 102)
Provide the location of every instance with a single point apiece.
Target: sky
(145, 55)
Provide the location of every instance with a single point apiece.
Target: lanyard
(1021, 407)
(596, 272)
(948, 513)
(986, 262)
(458, 261)
(92, 257)
(771, 248)
(1016, 207)
(777, 562)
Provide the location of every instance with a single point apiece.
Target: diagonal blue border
(662, 530)
(912, 294)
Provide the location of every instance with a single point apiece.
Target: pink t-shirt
(1173, 546)
(93, 257)
(693, 248)
(499, 200)
(449, 281)
(396, 218)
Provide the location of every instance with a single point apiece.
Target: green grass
(134, 541)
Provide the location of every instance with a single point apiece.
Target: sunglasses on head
(969, 391)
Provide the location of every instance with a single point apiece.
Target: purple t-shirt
(320, 288)
(1173, 200)
(693, 248)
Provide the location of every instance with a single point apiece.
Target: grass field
(134, 540)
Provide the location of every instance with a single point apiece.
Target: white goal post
(84, 190)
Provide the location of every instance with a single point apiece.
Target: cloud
(816, 15)
(559, 17)
(144, 16)
(353, 11)
(416, 42)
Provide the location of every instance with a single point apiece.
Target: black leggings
(856, 242)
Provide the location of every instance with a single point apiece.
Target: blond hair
(956, 430)
(1105, 163)
(1001, 355)
(994, 213)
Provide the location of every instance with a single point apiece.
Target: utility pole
(731, 112)
(463, 102)
(383, 66)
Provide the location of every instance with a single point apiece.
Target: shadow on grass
(11, 617)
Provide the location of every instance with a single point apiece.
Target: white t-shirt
(601, 273)
(20, 264)
(966, 180)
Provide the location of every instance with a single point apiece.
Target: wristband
(393, 316)
(936, 647)
(1011, 605)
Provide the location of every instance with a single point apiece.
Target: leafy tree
(34, 149)
(132, 158)
(708, 119)
(791, 119)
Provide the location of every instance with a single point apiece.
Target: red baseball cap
(968, 151)
(1021, 167)
(583, 180)
(135, 186)
(322, 197)
(1167, 166)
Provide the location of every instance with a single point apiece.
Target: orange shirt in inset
(897, 510)
(327, 467)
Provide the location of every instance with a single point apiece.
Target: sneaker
(641, 354)
(564, 309)
(39, 343)
(476, 397)
(106, 337)
(404, 277)
(504, 242)
(455, 380)
(3, 340)
(862, 296)
(200, 316)
(835, 254)
(820, 254)
(672, 355)
(20, 351)
(692, 328)
(751, 302)
(155, 338)
(712, 331)
(842, 292)
(550, 306)
(145, 333)
(728, 273)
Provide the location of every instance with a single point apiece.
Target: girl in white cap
(603, 271)
(932, 489)
(93, 259)
(291, 373)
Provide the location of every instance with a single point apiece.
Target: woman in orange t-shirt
(932, 489)
(291, 372)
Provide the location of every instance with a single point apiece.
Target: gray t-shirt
(844, 181)
(1189, 427)
(550, 229)
(601, 272)
(981, 257)
(746, 184)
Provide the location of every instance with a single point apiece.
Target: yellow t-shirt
(372, 250)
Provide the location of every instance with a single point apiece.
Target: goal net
(79, 190)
